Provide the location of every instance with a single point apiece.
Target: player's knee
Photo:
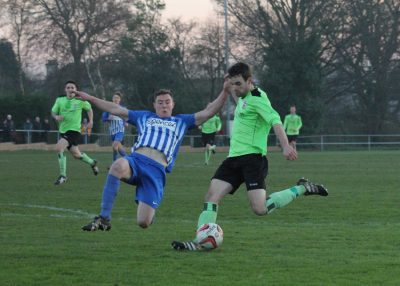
(115, 146)
(117, 167)
(60, 148)
(143, 223)
(76, 155)
(259, 210)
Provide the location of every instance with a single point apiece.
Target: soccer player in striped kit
(116, 128)
(159, 137)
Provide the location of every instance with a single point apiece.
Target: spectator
(86, 131)
(46, 128)
(8, 128)
(28, 130)
(37, 127)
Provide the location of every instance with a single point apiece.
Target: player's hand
(227, 84)
(90, 125)
(59, 118)
(289, 153)
(81, 95)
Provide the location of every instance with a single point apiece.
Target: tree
(9, 69)
(207, 58)
(368, 55)
(69, 28)
(17, 16)
(145, 61)
(285, 41)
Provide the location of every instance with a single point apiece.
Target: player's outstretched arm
(215, 106)
(287, 150)
(104, 105)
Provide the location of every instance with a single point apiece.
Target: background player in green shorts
(247, 162)
(67, 111)
(208, 131)
(292, 125)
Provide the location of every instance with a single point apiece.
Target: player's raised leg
(84, 158)
(304, 187)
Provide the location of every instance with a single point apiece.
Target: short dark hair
(71, 81)
(118, 93)
(162, 91)
(240, 69)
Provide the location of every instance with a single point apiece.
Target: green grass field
(350, 237)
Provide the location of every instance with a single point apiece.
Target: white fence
(348, 142)
(314, 142)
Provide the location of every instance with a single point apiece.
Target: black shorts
(251, 169)
(208, 138)
(73, 138)
(292, 138)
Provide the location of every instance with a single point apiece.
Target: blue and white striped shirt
(162, 134)
(116, 123)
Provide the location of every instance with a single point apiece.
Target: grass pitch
(350, 237)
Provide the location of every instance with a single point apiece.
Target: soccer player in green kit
(292, 125)
(247, 162)
(208, 131)
(67, 111)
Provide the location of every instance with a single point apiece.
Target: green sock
(209, 214)
(62, 162)
(85, 158)
(207, 156)
(280, 199)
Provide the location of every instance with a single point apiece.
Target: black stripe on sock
(270, 207)
(213, 207)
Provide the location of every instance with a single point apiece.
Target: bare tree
(70, 27)
(208, 56)
(285, 40)
(17, 16)
(182, 39)
(369, 56)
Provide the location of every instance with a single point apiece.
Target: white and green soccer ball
(209, 236)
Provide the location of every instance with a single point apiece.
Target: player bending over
(159, 137)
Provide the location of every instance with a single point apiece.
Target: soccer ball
(209, 236)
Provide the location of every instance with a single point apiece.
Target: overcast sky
(198, 10)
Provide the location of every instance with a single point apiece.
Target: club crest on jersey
(156, 122)
(244, 105)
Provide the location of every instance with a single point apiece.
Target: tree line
(336, 60)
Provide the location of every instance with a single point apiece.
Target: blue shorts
(149, 178)
(117, 136)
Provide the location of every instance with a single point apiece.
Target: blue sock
(109, 194)
(115, 155)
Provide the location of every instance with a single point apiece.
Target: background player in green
(292, 125)
(247, 162)
(67, 111)
(208, 131)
